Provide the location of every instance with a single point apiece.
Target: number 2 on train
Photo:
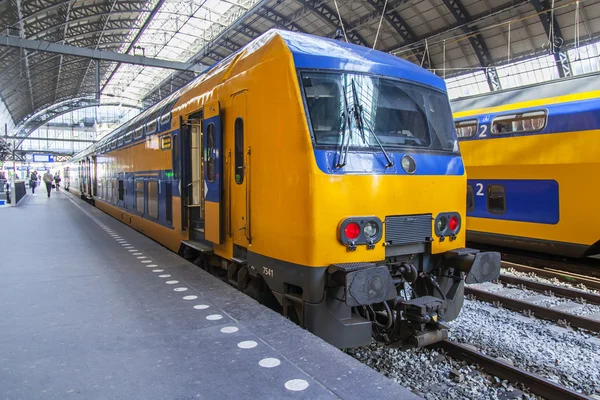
(483, 130)
(479, 187)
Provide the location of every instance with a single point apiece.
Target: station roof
(451, 37)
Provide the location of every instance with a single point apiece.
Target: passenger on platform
(48, 178)
(33, 178)
(57, 180)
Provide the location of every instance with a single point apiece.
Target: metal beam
(52, 139)
(460, 14)
(555, 38)
(38, 45)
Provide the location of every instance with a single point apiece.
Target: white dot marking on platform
(269, 362)
(214, 317)
(124, 244)
(137, 254)
(180, 289)
(190, 297)
(296, 385)
(171, 282)
(146, 261)
(151, 265)
(129, 247)
(132, 250)
(201, 307)
(229, 329)
(141, 257)
(247, 344)
(164, 276)
(158, 270)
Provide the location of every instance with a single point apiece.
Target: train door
(213, 172)
(238, 170)
(192, 177)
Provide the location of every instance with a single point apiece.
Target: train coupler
(365, 283)
(479, 266)
(420, 325)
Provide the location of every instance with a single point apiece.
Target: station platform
(92, 309)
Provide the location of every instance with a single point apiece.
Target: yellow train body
(275, 218)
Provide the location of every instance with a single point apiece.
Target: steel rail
(577, 321)
(590, 282)
(546, 287)
(535, 383)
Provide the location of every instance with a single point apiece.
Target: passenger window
(153, 199)
(519, 122)
(470, 198)
(128, 137)
(120, 141)
(466, 129)
(151, 127)
(121, 190)
(496, 199)
(239, 150)
(139, 132)
(165, 119)
(211, 162)
(139, 195)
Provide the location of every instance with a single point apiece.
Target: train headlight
(440, 224)
(352, 231)
(409, 165)
(371, 229)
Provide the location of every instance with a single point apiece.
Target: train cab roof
(315, 52)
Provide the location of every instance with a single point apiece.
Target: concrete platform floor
(91, 309)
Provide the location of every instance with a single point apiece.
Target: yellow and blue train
(320, 174)
(532, 156)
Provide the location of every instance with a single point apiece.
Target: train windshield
(363, 110)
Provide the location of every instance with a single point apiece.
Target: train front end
(388, 191)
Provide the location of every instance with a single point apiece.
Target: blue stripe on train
(374, 163)
(565, 117)
(526, 200)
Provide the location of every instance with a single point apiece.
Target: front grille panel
(407, 229)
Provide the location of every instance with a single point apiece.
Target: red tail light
(453, 223)
(352, 231)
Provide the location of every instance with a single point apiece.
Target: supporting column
(97, 75)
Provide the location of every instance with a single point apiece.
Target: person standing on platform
(57, 180)
(33, 181)
(48, 178)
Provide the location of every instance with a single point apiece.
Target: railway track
(536, 384)
(570, 277)
(497, 293)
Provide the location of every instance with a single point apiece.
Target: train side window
(120, 141)
(496, 199)
(470, 198)
(138, 133)
(128, 136)
(165, 119)
(529, 121)
(114, 192)
(121, 190)
(153, 198)
(151, 127)
(466, 129)
(239, 150)
(211, 162)
(139, 195)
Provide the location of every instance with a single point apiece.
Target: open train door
(213, 172)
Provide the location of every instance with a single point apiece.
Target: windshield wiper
(360, 123)
(346, 139)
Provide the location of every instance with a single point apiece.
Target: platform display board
(43, 158)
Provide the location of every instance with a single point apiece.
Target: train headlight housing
(447, 224)
(354, 231)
